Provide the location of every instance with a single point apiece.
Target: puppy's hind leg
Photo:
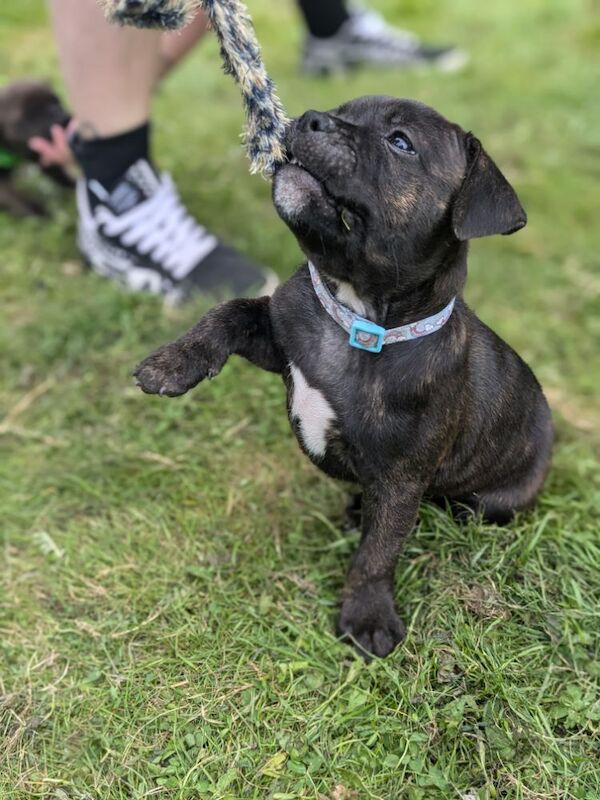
(484, 506)
(498, 502)
(496, 507)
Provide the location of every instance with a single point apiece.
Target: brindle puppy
(27, 108)
(383, 201)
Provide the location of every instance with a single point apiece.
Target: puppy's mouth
(298, 185)
(295, 162)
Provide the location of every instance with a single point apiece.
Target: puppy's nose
(316, 121)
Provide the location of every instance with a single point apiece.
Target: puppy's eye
(400, 141)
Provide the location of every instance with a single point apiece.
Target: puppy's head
(28, 108)
(376, 189)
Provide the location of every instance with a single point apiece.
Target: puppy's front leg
(368, 614)
(241, 327)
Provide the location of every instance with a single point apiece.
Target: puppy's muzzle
(320, 144)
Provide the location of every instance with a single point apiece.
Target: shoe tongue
(367, 23)
(138, 184)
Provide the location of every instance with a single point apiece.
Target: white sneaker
(365, 38)
(141, 235)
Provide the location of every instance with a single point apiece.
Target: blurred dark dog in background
(27, 109)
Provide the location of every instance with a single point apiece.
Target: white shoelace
(161, 228)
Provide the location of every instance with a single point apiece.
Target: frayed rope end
(265, 163)
(166, 14)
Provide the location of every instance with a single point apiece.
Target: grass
(170, 570)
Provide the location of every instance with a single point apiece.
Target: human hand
(54, 151)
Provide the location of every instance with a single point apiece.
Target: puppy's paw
(174, 368)
(369, 620)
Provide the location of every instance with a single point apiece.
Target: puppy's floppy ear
(486, 202)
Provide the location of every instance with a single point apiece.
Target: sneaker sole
(453, 61)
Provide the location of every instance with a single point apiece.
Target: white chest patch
(348, 297)
(313, 412)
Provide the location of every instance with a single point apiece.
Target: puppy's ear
(486, 203)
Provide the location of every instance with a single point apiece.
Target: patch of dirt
(484, 602)
(340, 792)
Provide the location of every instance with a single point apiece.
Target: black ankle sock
(324, 18)
(106, 160)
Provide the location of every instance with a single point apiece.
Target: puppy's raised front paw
(175, 368)
(369, 619)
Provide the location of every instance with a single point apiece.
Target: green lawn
(170, 569)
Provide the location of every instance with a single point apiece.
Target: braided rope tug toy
(266, 121)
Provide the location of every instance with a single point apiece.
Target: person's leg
(115, 111)
(323, 18)
(132, 224)
(110, 71)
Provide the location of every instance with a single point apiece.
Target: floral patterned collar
(366, 335)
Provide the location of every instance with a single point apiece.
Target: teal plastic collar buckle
(367, 336)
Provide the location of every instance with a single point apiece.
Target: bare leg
(110, 71)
